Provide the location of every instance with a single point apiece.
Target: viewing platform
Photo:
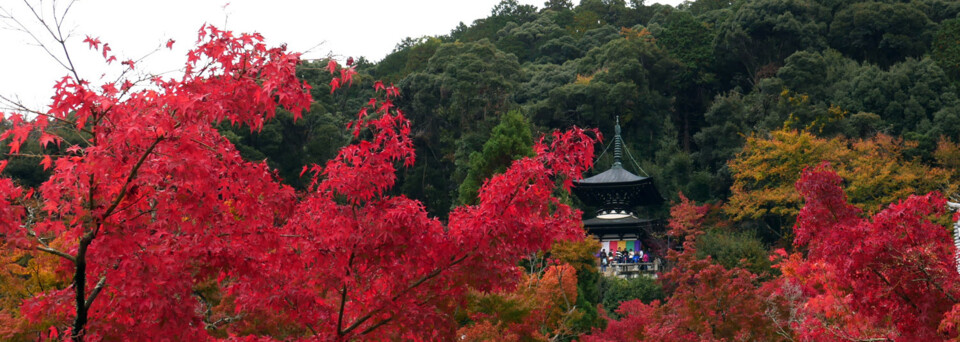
(633, 269)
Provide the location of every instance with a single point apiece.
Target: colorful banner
(627, 245)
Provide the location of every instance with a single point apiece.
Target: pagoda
(615, 193)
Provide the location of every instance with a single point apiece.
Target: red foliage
(709, 303)
(892, 276)
(686, 219)
(155, 198)
(157, 204)
(11, 213)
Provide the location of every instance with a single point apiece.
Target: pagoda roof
(616, 175)
(617, 188)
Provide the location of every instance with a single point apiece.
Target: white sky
(134, 28)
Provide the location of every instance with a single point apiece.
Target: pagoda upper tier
(616, 192)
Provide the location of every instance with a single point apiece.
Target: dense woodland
(693, 86)
(793, 123)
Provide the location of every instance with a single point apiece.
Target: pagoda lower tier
(626, 228)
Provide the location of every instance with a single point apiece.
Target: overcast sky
(133, 29)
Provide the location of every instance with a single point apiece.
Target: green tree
(410, 55)
(613, 12)
(505, 12)
(915, 99)
(525, 40)
(584, 21)
(735, 249)
(760, 34)
(454, 103)
(946, 49)
(558, 5)
(509, 141)
(698, 7)
(938, 10)
(881, 33)
(690, 41)
(629, 78)
(618, 290)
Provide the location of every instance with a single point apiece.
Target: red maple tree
(887, 277)
(169, 231)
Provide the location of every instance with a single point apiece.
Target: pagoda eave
(628, 226)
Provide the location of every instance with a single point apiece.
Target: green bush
(614, 291)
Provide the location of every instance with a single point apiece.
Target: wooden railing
(633, 269)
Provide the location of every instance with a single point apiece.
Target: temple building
(616, 193)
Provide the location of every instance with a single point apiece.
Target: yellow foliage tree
(582, 255)
(23, 275)
(539, 309)
(947, 155)
(876, 171)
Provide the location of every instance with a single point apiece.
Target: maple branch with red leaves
(414, 285)
(130, 176)
(434, 273)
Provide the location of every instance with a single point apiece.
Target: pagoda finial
(617, 144)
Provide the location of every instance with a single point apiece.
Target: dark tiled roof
(615, 175)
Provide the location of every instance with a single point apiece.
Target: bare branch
(44, 247)
(23, 28)
(95, 292)
(57, 36)
(57, 253)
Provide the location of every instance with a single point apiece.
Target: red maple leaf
(93, 42)
(334, 84)
(47, 138)
(332, 66)
(46, 162)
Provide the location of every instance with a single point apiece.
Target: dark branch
(57, 253)
(412, 286)
(377, 325)
(130, 177)
(95, 292)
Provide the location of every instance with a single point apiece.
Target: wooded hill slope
(698, 89)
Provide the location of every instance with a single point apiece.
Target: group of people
(621, 256)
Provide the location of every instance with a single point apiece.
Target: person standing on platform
(603, 262)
